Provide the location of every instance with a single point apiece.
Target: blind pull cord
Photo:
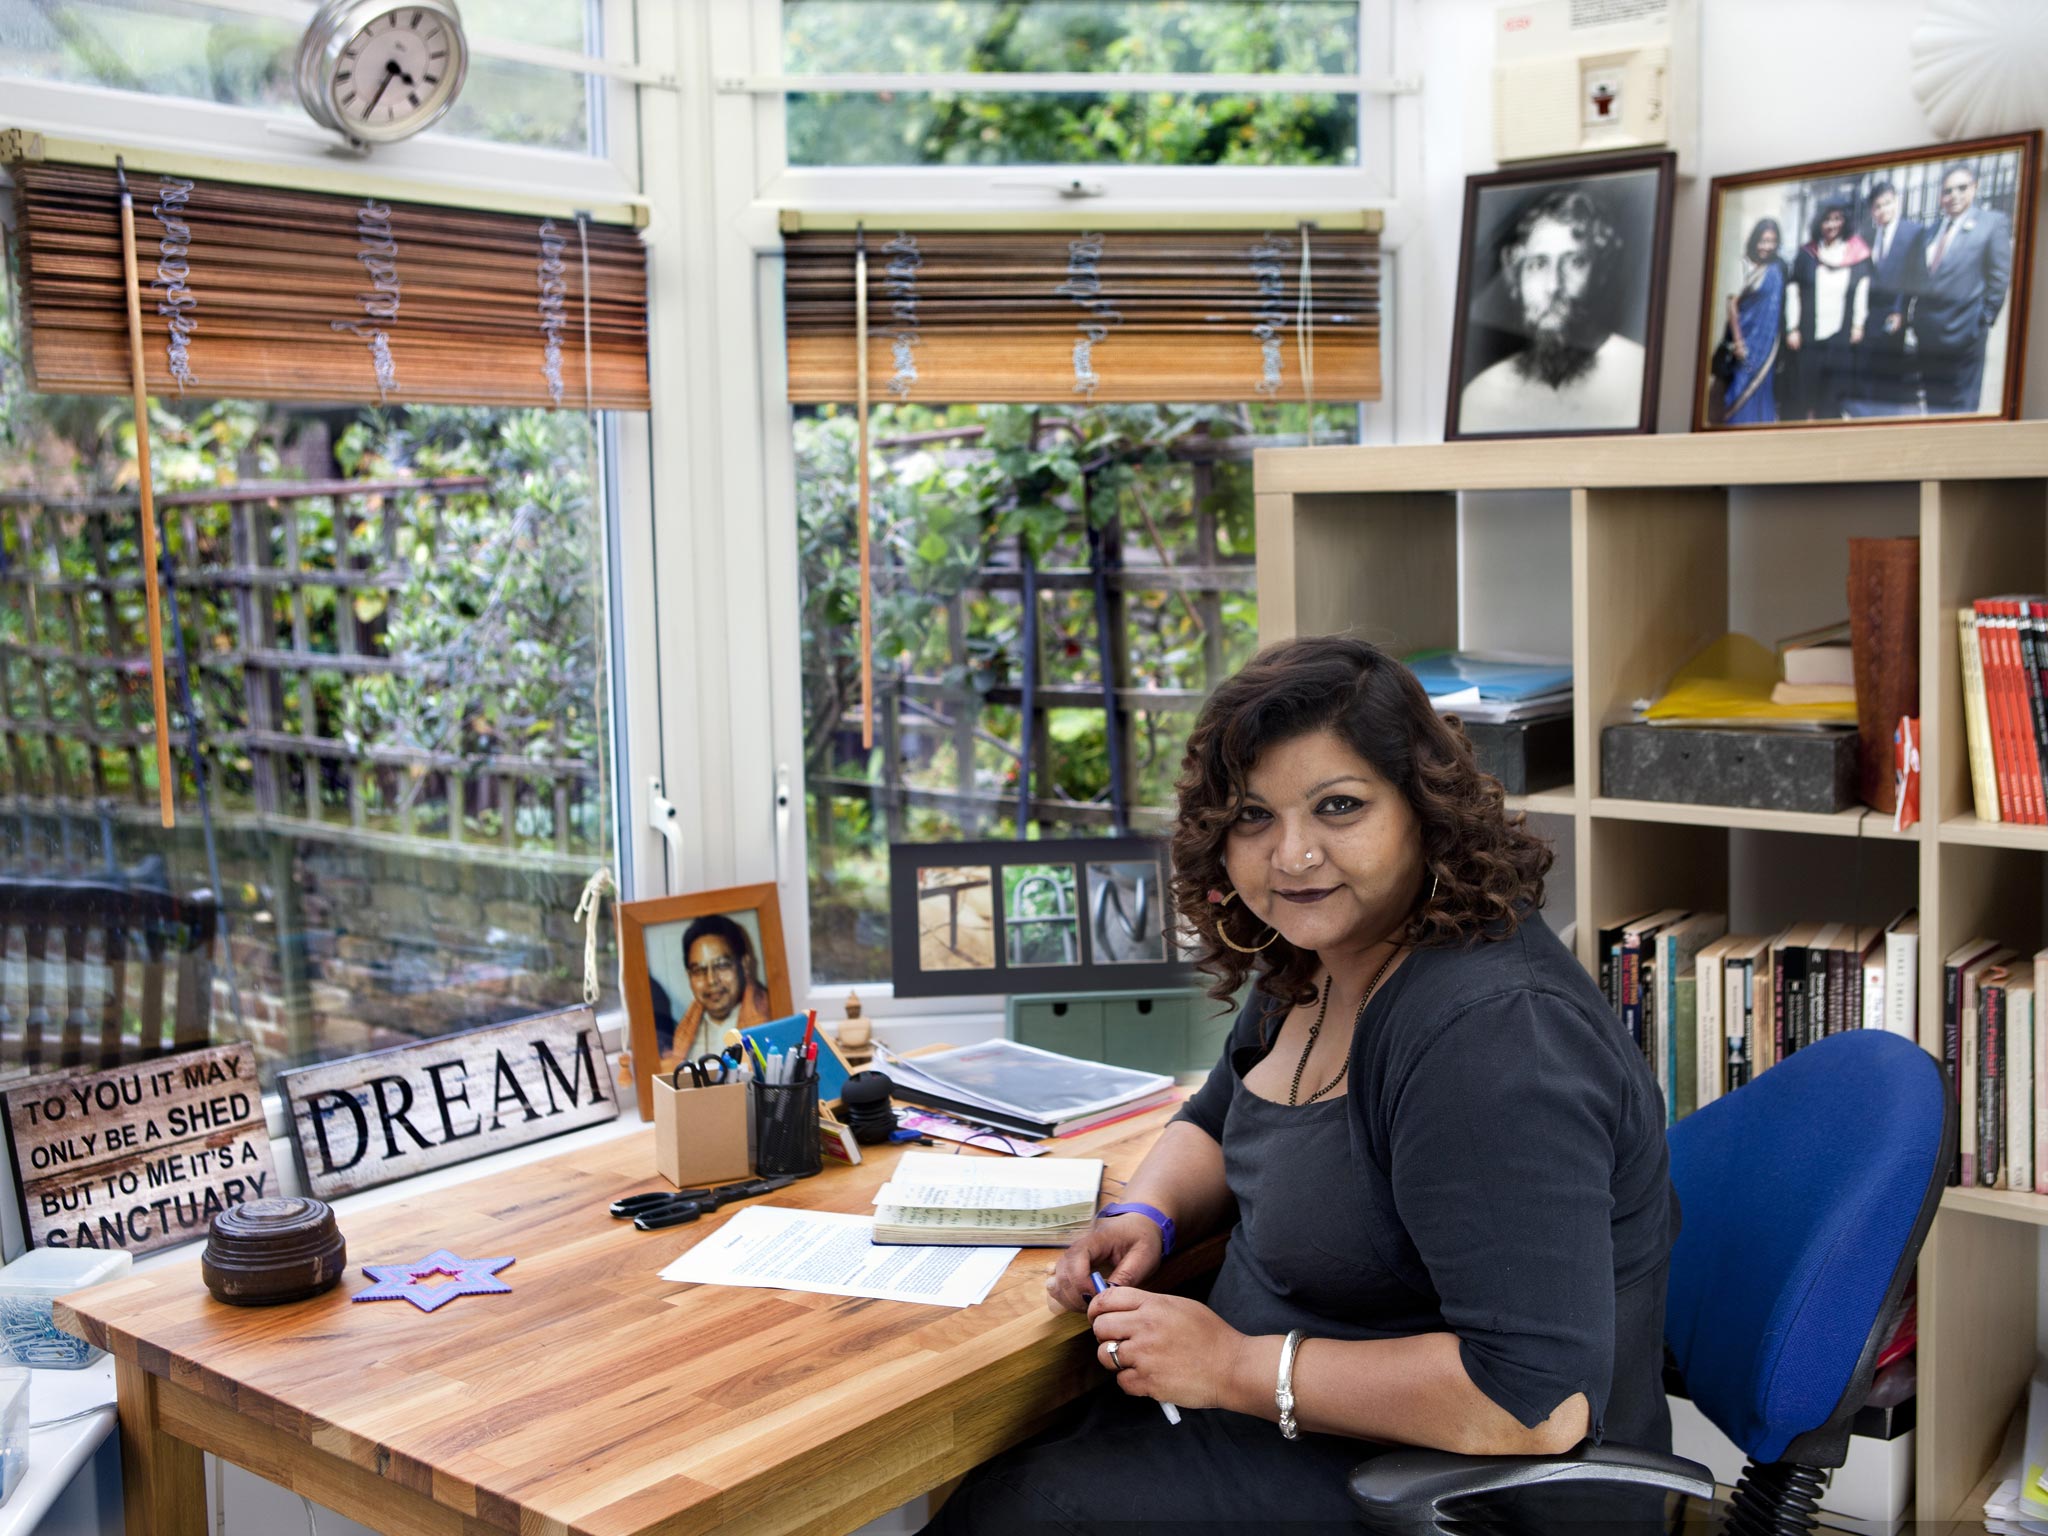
(867, 614)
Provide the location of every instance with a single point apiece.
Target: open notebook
(935, 1197)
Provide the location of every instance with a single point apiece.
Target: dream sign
(391, 1114)
(140, 1157)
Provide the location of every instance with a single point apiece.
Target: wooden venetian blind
(267, 293)
(1122, 316)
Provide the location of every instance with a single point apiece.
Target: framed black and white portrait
(1559, 326)
(1874, 290)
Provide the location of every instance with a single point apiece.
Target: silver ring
(1116, 1361)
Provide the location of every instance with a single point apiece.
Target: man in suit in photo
(1898, 262)
(1962, 289)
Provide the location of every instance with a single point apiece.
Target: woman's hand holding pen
(1125, 1249)
(1167, 1347)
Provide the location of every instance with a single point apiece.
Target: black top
(1507, 1182)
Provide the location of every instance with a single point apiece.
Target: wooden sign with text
(140, 1157)
(391, 1114)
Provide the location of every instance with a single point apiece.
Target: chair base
(1780, 1498)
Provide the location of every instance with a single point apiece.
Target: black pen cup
(785, 1127)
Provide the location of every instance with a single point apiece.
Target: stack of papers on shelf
(1494, 687)
(1022, 1090)
(981, 1201)
(1730, 683)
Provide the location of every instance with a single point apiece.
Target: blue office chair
(1804, 1198)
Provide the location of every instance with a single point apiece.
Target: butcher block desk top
(595, 1398)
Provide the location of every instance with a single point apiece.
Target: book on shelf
(1976, 720)
(1685, 1080)
(1813, 693)
(1984, 1139)
(1672, 1057)
(2039, 1097)
(1963, 1063)
(1884, 626)
(1820, 656)
(1636, 940)
(995, 1202)
(2004, 658)
(1741, 1003)
(1901, 974)
(1024, 1090)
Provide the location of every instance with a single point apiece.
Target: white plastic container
(14, 1428)
(28, 1335)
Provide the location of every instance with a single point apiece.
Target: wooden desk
(596, 1398)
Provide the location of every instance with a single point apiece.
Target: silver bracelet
(1283, 1391)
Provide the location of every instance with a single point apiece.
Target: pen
(1172, 1413)
(810, 1028)
(755, 1046)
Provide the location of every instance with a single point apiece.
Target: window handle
(661, 815)
(782, 807)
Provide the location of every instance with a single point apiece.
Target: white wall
(1781, 82)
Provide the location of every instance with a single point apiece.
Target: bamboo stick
(152, 598)
(867, 617)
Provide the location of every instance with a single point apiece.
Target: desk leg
(163, 1479)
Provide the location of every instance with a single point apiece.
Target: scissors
(701, 1069)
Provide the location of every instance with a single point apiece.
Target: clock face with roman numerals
(378, 71)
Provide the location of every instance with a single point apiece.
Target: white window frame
(723, 457)
(239, 135)
(1119, 187)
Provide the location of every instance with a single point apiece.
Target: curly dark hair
(1487, 867)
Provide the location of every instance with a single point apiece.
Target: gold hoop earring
(1243, 949)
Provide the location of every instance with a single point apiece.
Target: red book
(1992, 661)
(2026, 754)
(2002, 693)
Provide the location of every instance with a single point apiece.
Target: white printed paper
(832, 1254)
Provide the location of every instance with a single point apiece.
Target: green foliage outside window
(1109, 126)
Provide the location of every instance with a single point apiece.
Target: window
(896, 123)
(218, 54)
(1156, 499)
(387, 626)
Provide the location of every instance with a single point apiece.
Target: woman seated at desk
(1443, 1156)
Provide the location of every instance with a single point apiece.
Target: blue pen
(1172, 1413)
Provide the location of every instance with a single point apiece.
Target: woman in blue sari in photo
(1756, 321)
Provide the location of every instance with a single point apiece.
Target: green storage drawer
(1172, 1032)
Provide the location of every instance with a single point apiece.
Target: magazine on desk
(1021, 1088)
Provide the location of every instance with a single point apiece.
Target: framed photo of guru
(1559, 326)
(1876, 290)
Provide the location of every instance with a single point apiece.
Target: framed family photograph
(1884, 288)
(1560, 310)
(696, 966)
(1078, 913)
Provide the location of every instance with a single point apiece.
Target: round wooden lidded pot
(265, 1252)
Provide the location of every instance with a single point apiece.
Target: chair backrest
(1804, 1197)
(93, 965)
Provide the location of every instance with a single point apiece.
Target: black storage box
(1757, 770)
(1525, 755)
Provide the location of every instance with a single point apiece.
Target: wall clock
(377, 72)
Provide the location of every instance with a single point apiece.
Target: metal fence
(281, 594)
(1125, 561)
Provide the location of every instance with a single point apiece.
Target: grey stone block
(1757, 770)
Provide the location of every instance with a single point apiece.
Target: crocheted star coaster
(438, 1278)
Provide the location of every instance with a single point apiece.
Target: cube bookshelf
(1676, 540)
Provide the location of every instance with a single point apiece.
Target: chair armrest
(1403, 1489)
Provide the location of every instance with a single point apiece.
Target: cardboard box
(702, 1135)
